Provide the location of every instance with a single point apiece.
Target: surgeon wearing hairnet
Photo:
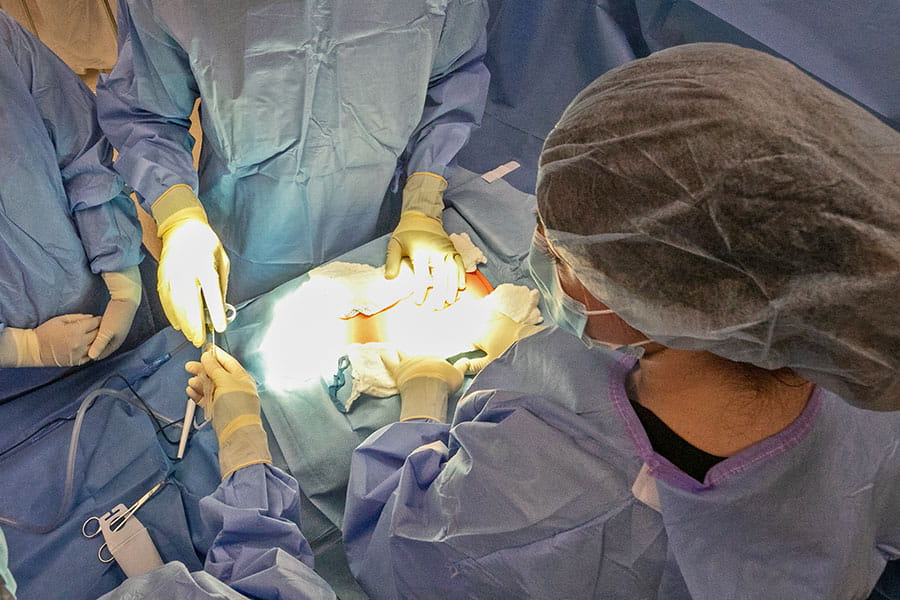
(69, 237)
(309, 110)
(731, 228)
(258, 550)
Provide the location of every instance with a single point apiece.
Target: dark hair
(764, 381)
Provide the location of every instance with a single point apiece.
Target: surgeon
(719, 245)
(310, 112)
(69, 237)
(258, 550)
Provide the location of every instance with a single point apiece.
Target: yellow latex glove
(425, 383)
(420, 236)
(62, 341)
(124, 298)
(500, 333)
(227, 393)
(193, 265)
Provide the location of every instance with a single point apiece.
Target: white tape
(130, 545)
(645, 490)
(492, 176)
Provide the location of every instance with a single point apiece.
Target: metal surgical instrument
(191, 407)
(114, 520)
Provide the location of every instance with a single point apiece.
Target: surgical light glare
(305, 336)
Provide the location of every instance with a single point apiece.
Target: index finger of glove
(76, 317)
(223, 267)
(189, 309)
(86, 327)
(99, 345)
(450, 277)
(438, 293)
(212, 294)
(460, 271)
(421, 268)
(194, 367)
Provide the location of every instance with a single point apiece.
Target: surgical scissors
(115, 520)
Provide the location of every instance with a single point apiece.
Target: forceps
(191, 407)
(114, 520)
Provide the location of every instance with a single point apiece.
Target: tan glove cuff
(242, 421)
(19, 348)
(179, 203)
(245, 446)
(424, 192)
(412, 220)
(430, 367)
(229, 404)
(9, 354)
(424, 398)
(124, 284)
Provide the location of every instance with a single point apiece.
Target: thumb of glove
(472, 366)
(391, 360)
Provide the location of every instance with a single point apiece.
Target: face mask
(568, 313)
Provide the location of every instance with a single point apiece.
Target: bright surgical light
(307, 334)
(305, 337)
(419, 331)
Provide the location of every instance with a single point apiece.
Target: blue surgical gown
(529, 495)
(7, 581)
(63, 216)
(258, 550)
(306, 108)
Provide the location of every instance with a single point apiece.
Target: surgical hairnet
(719, 199)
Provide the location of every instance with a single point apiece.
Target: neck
(710, 402)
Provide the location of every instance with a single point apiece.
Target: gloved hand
(124, 298)
(62, 341)
(192, 262)
(420, 236)
(227, 393)
(425, 383)
(500, 333)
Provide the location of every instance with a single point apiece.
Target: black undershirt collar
(687, 457)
